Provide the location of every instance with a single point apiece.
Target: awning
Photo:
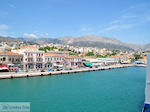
(3, 68)
(88, 64)
(10, 64)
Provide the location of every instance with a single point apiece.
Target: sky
(126, 20)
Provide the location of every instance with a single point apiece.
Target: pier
(9, 75)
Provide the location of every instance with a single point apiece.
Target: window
(12, 59)
(4, 59)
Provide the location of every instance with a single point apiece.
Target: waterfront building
(125, 58)
(101, 61)
(23, 49)
(52, 60)
(62, 53)
(11, 59)
(32, 57)
(33, 60)
(4, 47)
(108, 61)
(143, 60)
(72, 61)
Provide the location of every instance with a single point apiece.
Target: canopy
(88, 64)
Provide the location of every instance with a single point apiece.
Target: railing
(147, 89)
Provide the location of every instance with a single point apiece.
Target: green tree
(90, 54)
(47, 48)
(113, 53)
(99, 56)
(41, 49)
(137, 56)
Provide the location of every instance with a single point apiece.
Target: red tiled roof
(28, 47)
(73, 56)
(52, 54)
(9, 53)
(120, 55)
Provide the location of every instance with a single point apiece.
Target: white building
(32, 57)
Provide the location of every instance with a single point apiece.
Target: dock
(28, 74)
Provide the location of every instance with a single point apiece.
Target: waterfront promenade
(32, 74)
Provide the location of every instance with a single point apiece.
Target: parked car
(96, 66)
(49, 69)
(90, 67)
(70, 69)
(21, 70)
(66, 69)
(42, 70)
(59, 69)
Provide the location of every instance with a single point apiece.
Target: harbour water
(114, 90)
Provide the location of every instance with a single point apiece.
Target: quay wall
(28, 74)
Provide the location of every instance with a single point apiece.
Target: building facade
(72, 61)
(32, 57)
(11, 58)
(53, 60)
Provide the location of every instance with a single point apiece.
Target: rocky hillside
(93, 41)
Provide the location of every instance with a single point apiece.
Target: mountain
(91, 41)
(8, 39)
(147, 47)
(95, 41)
(16, 41)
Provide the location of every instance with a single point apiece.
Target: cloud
(127, 26)
(115, 21)
(132, 16)
(43, 34)
(30, 35)
(46, 33)
(35, 31)
(4, 27)
(85, 29)
(128, 16)
(116, 27)
(113, 27)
